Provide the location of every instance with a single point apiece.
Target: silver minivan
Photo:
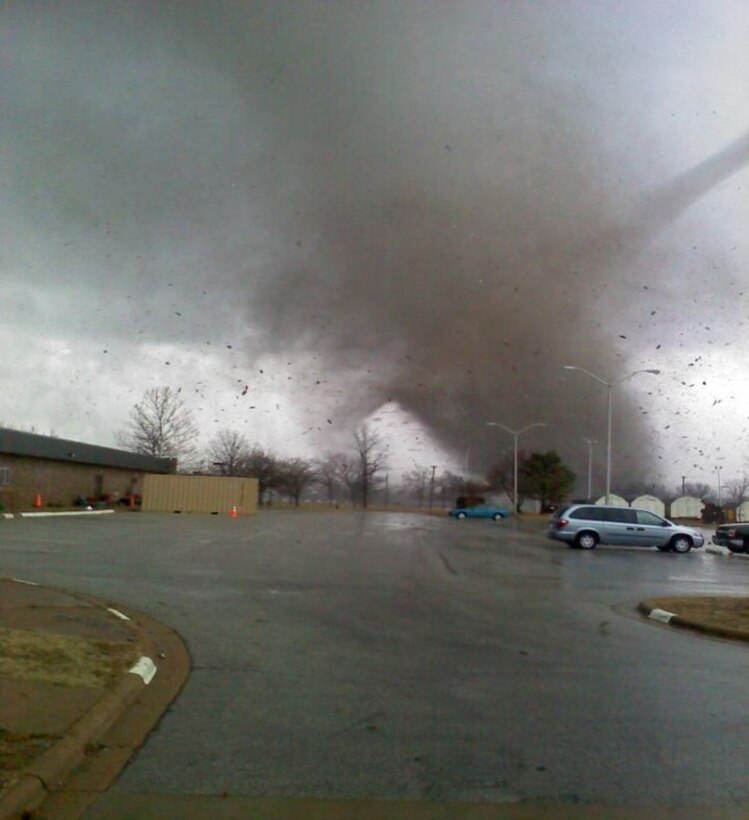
(585, 525)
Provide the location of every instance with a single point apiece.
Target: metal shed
(614, 501)
(687, 506)
(650, 502)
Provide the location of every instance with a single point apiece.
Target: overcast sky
(416, 212)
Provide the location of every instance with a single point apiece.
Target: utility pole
(683, 485)
(515, 434)
(431, 486)
(590, 442)
(387, 488)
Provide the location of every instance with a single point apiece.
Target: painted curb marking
(661, 615)
(7, 515)
(117, 612)
(55, 514)
(146, 668)
(21, 581)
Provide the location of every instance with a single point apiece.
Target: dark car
(733, 536)
(480, 511)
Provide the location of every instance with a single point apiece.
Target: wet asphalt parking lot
(408, 656)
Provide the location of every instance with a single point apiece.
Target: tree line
(162, 425)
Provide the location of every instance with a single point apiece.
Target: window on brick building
(4, 476)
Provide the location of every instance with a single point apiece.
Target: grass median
(725, 615)
(60, 660)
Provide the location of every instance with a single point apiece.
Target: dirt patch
(59, 660)
(717, 612)
(17, 751)
(62, 659)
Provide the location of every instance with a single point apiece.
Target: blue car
(480, 511)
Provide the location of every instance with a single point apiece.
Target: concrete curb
(56, 514)
(49, 771)
(671, 618)
(49, 779)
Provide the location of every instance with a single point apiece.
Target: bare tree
(450, 487)
(415, 484)
(262, 465)
(632, 489)
(293, 475)
(350, 477)
(696, 489)
(329, 474)
(501, 477)
(371, 460)
(737, 488)
(161, 425)
(228, 452)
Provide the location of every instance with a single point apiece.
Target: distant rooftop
(32, 445)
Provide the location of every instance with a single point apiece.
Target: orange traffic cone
(38, 501)
(233, 513)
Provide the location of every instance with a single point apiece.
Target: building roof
(31, 445)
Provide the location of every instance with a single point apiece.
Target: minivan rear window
(621, 515)
(587, 513)
(647, 517)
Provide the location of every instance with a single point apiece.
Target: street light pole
(431, 486)
(590, 442)
(515, 434)
(609, 388)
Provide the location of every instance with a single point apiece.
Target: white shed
(650, 502)
(614, 501)
(687, 507)
(742, 512)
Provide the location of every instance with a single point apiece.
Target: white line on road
(56, 514)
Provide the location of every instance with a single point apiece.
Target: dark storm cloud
(447, 204)
(462, 246)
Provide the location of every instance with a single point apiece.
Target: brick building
(59, 471)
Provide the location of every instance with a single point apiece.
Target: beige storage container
(199, 493)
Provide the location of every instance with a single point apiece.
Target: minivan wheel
(681, 544)
(586, 541)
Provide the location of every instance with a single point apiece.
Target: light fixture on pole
(609, 388)
(515, 434)
(720, 498)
